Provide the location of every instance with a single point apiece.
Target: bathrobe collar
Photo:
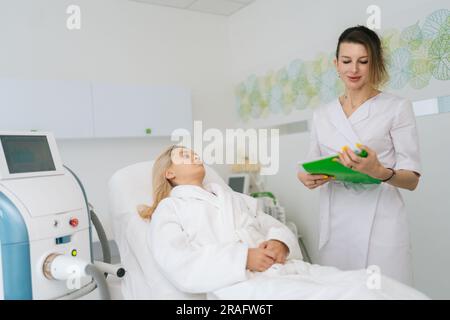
(192, 191)
(217, 196)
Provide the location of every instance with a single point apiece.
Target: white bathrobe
(200, 239)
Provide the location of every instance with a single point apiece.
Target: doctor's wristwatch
(391, 176)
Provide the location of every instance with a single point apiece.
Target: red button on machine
(73, 222)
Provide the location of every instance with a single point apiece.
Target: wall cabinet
(61, 107)
(130, 111)
(77, 109)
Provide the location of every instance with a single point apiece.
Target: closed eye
(362, 62)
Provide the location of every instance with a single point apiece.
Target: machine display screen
(27, 154)
(237, 183)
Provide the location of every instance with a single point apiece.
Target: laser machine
(45, 224)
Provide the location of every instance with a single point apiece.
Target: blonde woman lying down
(211, 242)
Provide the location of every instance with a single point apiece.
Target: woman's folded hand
(279, 249)
(260, 259)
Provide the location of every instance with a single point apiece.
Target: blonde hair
(161, 186)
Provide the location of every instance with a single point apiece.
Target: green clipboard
(329, 166)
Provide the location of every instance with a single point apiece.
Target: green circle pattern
(415, 56)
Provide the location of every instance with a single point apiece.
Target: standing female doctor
(365, 225)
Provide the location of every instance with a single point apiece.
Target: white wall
(128, 42)
(268, 35)
(122, 42)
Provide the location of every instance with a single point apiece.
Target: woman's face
(186, 167)
(352, 65)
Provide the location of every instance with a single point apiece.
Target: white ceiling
(220, 7)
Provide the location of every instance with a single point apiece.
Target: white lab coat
(364, 225)
(200, 240)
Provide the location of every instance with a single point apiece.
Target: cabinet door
(61, 107)
(133, 111)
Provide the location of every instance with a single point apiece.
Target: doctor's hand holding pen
(369, 165)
